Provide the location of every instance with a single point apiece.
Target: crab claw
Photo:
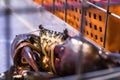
(27, 54)
(27, 57)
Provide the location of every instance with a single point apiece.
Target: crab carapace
(59, 53)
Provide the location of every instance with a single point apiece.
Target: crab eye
(58, 49)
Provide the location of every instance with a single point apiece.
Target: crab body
(57, 52)
(36, 53)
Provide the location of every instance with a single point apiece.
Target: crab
(58, 53)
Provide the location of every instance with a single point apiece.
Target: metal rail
(7, 35)
(88, 2)
(106, 24)
(65, 10)
(53, 6)
(102, 9)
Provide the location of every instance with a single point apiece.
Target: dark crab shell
(34, 50)
(59, 53)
